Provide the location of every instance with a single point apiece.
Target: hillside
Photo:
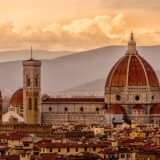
(71, 70)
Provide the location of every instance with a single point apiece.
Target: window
(59, 150)
(118, 97)
(65, 109)
(85, 149)
(128, 156)
(68, 149)
(122, 155)
(35, 104)
(30, 103)
(28, 81)
(23, 155)
(50, 149)
(94, 148)
(36, 81)
(81, 109)
(137, 98)
(76, 149)
(50, 108)
(97, 109)
(26, 145)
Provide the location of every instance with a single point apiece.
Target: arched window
(35, 104)
(30, 103)
(50, 108)
(28, 81)
(36, 81)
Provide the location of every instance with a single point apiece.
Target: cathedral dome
(155, 109)
(116, 109)
(132, 70)
(17, 99)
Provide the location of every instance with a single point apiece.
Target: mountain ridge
(69, 70)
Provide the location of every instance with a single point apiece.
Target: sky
(77, 24)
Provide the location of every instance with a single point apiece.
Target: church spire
(131, 46)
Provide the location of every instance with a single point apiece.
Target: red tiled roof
(73, 100)
(138, 107)
(116, 109)
(17, 99)
(109, 151)
(132, 70)
(155, 109)
(64, 145)
(10, 157)
(12, 136)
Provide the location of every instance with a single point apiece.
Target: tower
(31, 90)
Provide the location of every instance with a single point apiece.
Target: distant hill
(70, 71)
(94, 86)
(16, 55)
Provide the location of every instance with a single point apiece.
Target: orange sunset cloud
(69, 27)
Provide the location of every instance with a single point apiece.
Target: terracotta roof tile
(139, 72)
(116, 109)
(17, 99)
(73, 100)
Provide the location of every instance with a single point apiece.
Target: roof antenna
(31, 53)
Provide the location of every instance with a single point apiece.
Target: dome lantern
(131, 46)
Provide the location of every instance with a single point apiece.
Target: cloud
(134, 4)
(79, 34)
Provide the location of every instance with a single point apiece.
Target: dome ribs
(17, 99)
(120, 72)
(136, 75)
(132, 70)
(152, 78)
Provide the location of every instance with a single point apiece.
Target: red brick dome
(17, 99)
(155, 109)
(116, 109)
(132, 70)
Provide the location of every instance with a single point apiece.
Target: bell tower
(31, 90)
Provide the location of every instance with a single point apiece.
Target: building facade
(79, 110)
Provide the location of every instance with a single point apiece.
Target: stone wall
(84, 113)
